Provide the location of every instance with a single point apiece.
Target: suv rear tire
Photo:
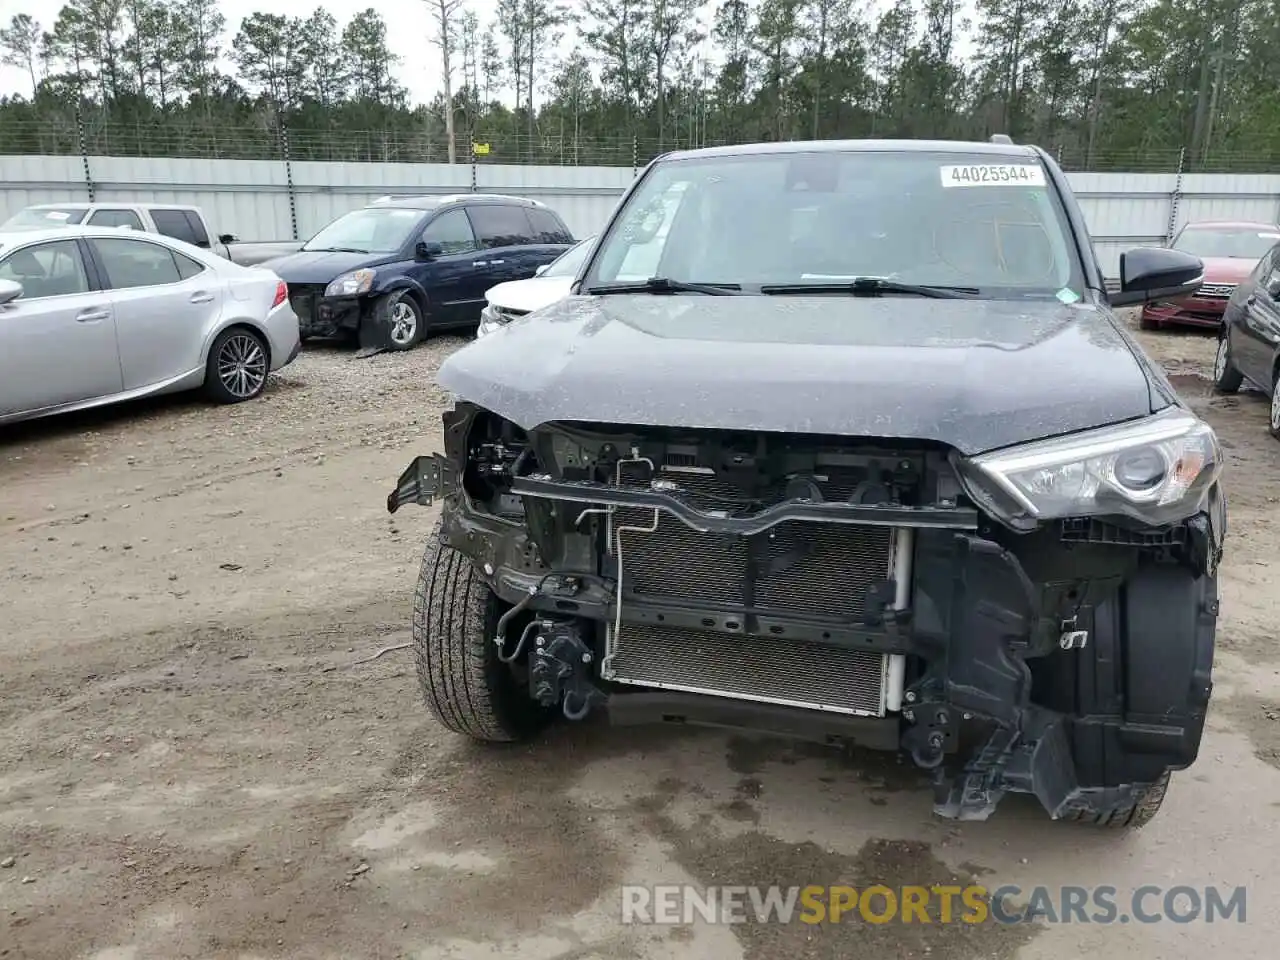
(1142, 811)
(467, 688)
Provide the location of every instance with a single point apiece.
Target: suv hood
(529, 295)
(974, 374)
(321, 266)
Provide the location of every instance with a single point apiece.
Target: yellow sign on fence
(480, 149)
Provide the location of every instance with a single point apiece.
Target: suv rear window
(500, 225)
(181, 225)
(548, 228)
(115, 218)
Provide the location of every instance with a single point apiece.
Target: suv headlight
(350, 284)
(1154, 470)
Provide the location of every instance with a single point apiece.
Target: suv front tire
(466, 686)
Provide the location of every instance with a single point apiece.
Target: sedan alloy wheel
(242, 366)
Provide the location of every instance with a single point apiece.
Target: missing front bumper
(766, 670)
(974, 623)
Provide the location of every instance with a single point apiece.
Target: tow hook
(926, 739)
(560, 670)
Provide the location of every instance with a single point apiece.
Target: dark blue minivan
(403, 266)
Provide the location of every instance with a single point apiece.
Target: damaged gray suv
(866, 458)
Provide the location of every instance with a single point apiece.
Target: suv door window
(53, 269)
(197, 228)
(174, 223)
(501, 225)
(547, 227)
(115, 218)
(135, 263)
(452, 230)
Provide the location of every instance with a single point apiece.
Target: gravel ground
(192, 764)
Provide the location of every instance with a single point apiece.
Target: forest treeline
(1103, 84)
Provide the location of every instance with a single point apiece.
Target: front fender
(382, 286)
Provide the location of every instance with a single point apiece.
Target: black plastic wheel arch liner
(1120, 712)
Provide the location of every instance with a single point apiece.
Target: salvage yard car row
(96, 314)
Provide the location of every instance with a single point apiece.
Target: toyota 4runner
(868, 459)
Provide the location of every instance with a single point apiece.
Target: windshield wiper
(334, 250)
(873, 287)
(666, 285)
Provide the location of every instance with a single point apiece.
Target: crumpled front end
(840, 590)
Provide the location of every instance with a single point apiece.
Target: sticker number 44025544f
(993, 175)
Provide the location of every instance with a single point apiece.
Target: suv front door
(58, 339)
(1259, 333)
(506, 237)
(456, 278)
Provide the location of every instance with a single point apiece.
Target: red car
(1230, 250)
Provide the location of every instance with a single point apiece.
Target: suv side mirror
(427, 251)
(9, 290)
(1156, 273)
(225, 238)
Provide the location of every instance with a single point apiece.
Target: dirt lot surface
(191, 766)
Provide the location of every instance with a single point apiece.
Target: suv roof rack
(458, 197)
(454, 198)
(1001, 138)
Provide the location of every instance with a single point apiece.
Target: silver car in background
(95, 315)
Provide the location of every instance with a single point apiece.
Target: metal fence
(190, 137)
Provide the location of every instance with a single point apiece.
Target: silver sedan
(94, 315)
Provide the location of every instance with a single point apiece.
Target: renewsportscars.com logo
(1008, 904)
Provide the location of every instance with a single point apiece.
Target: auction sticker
(993, 175)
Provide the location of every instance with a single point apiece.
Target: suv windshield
(369, 230)
(567, 264)
(1244, 243)
(947, 219)
(44, 217)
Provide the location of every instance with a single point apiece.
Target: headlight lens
(350, 284)
(491, 318)
(1153, 471)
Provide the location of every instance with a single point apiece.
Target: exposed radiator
(819, 569)
(795, 567)
(765, 669)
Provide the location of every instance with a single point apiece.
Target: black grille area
(1088, 530)
(303, 297)
(795, 567)
(769, 670)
